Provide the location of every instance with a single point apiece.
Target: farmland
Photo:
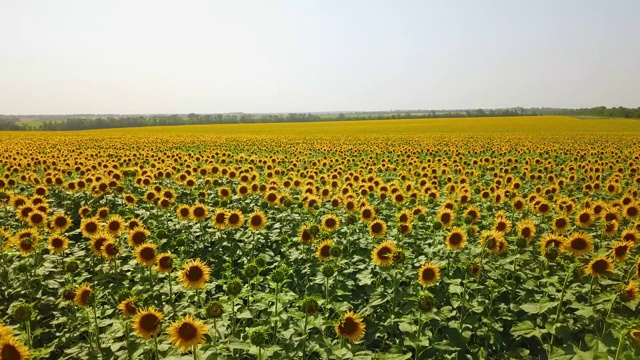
(510, 237)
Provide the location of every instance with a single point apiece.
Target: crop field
(495, 238)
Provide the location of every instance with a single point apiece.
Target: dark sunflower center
(629, 237)
(99, 243)
(376, 228)
(584, 218)
(518, 205)
(366, 213)
(403, 218)
(184, 212)
(149, 322)
(330, 222)
(103, 214)
(139, 237)
(579, 244)
(325, 250)
(187, 331)
(166, 262)
(234, 219)
(60, 221)
(194, 273)
(455, 239)
(198, 212)
(272, 197)
(428, 274)
(502, 226)
(349, 326)
(147, 253)
(621, 251)
(37, 218)
(220, 217)
(85, 296)
(384, 252)
(112, 249)
(552, 243)
(526, 232)
(57, 243)
(91, 227)
(632, 211)
(445, 218)
(561, 223)
(610, 216)
(544, 208)
(114, 226)
(600, 266)
(256, 220)
(10, 352)
(306, 236)
(130, 307)
(472, 214)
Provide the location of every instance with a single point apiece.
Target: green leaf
(538, 307)
(525, 329)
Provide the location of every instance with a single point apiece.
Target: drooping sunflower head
(138, 236)
(235, 218)
(146, 254)
(635, 336)
(382, 255)
(219, 220)
(84, 295)
(330, 222)
(630, 292)
(306, 237)
(600, 266)
(351, 327)
(187, 333)
(60, 222)
(257, 220)
(377, 228)
(578, 243)
(147, 322)
(128, 307)
(58, 244)
(456, 239)
(194, 274)
(621, 249)
(165, 262)
(428, 274)
(323, 251)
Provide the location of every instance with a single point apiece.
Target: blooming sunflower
(219, 220)
(37, 218)
(584, 218)
(102, 213)
(330, 222)
(257, 220)
(629, 292)
(58, 244)
(199, 212)
(128, 307)
(526, 229)
(138, 236)
(456, 239)
(147, 322)
(183, 212)
(367, 213)
(60, 222)
(382, 255)
(502, 225)
(404, 216)
(187, 333)
(560, 224)
(115, 225)
(26, 240)
(12, 349)
(445, 217)
(146, 254)
(621, 249)
(631, 211)
(110, 250)
(90, 227)
(492, 240)
(551, 240)
(165, 262)
(235, 219)
(428, 274)
(194, 274)
(324, 250)
(351, 327)
(473, 214)
(84, 295)
(97, 242)
(599, 267)
(377, 228)
(578, 243)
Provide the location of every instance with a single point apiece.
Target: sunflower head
(194, 274)
(445, 217)
(147, 322)
(600, 266)
(84, 295)
(219, 220)
(426, 301)
(306, 236)
(351, 327)
(235, 219)
(456, 239)
(146, 254)
(12, 348)
(630, 292)
(383, 254)
(58, 244)
(323, 251)
(110, 250)
(115, 225)
(257, 220)
(428, 274)
(90, 227)
(128, 307)
(377, 228)
(60, 222)
(214, 310)
(199, 212)
(578, 243)
(138, 236)
(187, 333)
(621, 249)
(165, 262)
(330, 222)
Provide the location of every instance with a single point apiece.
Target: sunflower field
(493, 238)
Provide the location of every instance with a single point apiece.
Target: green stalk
(95, 320)
(195, 352)
(304, 342)
(275, 314)
(613, 301)
(620, 345)
(395, 286)
(559, 307)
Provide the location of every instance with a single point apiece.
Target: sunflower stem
(195, 352)
(173, 305)
(275, 314)
(127, 339)
(395, 285)
(95, 320)
(233, 312)
(326, 290)
(620, 345)
(304, 341)
(590, 290)
(559, 307)
(613, 301)
(155, 346)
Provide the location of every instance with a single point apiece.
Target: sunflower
(165, 262)
(377, 228)
(147, 322)
(502, 225)
(324, 250)
(630, 235)
(560, 224)
(351, 326)
(257, 220)
(110, 250)
(37, 218)
(134, 223)
(12, 348)
(630, 292)
(130, 200)
(631, 211)
(584, 218)
(146, 254)
(306, 237)
(610, 228)
(330, 222)
(199, 212)
(6, 240)
(382, 255)
(367, 213)
(551, 240)
(404, 228)
(97, 242)
(90, 227)
(187, 333)
(456, 239)
(115, 225)
(219, 220)
(445, 217)
(635, 336)
(428, 274)
(138, 236)
(621, 249)
(194, 274)
(60, 222)
(404, 216)
(102, 213)
(84, 295)
(24, 211)
(599, 267)
(473, 214)
(271, 197)
(578, 243)
(26, 240)
(128, 307)
(58, 244)
(183, 212)
(526, 229)
(492, 240)
(235, 219)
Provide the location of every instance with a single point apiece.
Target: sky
(136, 57)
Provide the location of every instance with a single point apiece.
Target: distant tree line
(92, 122)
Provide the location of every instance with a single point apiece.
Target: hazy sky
(123, 56)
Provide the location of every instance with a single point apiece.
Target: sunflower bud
(310, 306)
(68, 293)
(234, 287)
(214, 310)
(521, 242)
(258, 336)
(22, 313)
(261, 261)
(422, 217)
(328, 271)
(551, 253)
(251, 271)
(474, 269)
(426, 302)
(279, 275)
(72, 266)
(351, 219)
(336, 251)
(437, 225)
(314, 230)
